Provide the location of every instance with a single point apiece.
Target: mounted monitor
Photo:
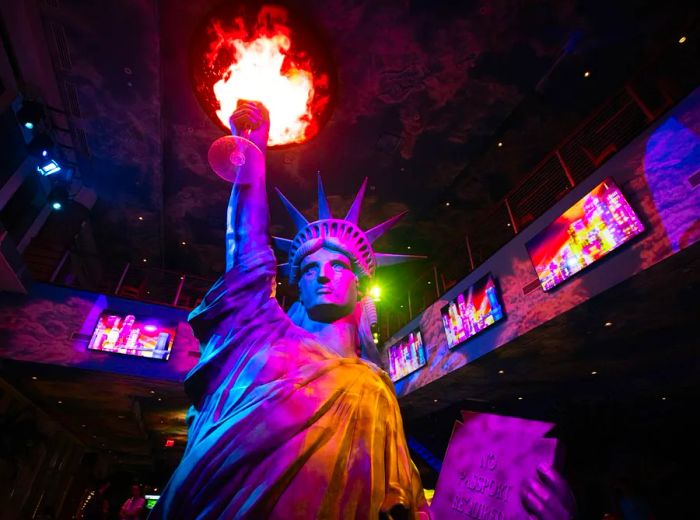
(472, 311)
(597, 224)
(406, 355)
(126, 334)
(151, 501)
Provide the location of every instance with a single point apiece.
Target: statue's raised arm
(247, 216)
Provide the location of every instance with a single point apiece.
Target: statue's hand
(253, 116)
(548, 496)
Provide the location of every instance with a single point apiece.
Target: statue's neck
(340, 336)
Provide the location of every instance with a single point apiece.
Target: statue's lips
(324, 290)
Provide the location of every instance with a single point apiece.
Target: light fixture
(435, 400)
(140, 218)
(682, 39)
(409, 247)
(663, 398)
(48, 167)
(153, 392)
(429, 282)
(593, 373)
(376, 293)
(586, 74)
(501, 372)
(58, 198)
(520, 398)
(83, 425)
(169, 443)
(508, 224)
(40, 146)
(160, 399)
(500, 144)
(183, 243)
(607, 324)
(60, 402)
(145, 260)
(34, 378)
(30, 114)
(447, 204)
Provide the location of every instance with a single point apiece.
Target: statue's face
(327, 285)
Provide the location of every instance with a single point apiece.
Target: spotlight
(58, 198)
(682, 39)
(30, 114)
(376, 293)
(48, 167)
(40, 146)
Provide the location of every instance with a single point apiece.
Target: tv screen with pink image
(597, 224)
(472, 311)
(406, 356)
(129, 335)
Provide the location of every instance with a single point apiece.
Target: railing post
(437, 285)
(633, 94)
(179, 290)
(565, 167)
(510, 216)
(469, 251)
(59, 266)
(121, 279)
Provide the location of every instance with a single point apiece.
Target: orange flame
(263, 65)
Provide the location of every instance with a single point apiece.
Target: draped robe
(281, 426)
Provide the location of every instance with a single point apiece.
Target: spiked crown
(342, 234)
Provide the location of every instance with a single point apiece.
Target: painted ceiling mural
(423, 90)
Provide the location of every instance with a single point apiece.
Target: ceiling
(425, 90)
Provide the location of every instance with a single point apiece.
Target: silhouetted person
(134, 506)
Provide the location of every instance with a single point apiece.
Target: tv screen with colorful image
(129, 335)
(406, 356)
(472, 311)
(597, 224)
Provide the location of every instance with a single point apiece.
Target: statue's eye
(339, 266)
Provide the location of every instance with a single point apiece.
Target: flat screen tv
(127, 334)
(472, 311)
(151, 500)
(597, 224)
(406, 356)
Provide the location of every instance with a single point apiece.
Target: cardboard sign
(488, 460)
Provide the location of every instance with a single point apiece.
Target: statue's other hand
(548, 496)
(253, 116)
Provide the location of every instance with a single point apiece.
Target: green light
(376, 293)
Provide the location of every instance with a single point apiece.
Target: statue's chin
(328, 312)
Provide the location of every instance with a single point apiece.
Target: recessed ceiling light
(586, 74)
(607, 324)
(409, 247)
(429, 282)
(402, 306)
(520, 398)
(183, 243)
(160, 399)
(682, 39)
(34, 378)
(447, 204)
(435, 400)
(83, 425)
(500, 144)
(121, 416)
(140, 218)
(663, 398)
(60, 402)
(153, 392)
(508, 224)
(594, 373)
(501, 372)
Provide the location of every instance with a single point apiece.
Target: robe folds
(280, 426)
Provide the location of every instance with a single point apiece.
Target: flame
(263, 65)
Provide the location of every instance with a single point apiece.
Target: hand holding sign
(499, 468)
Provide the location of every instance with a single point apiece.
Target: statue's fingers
(553, 480)
(532, 503)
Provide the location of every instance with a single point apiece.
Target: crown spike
(324, 211)
(384, 259)
(285, 269)
(353, 215)
(283, 244)
(299, 220)
(378, 230)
